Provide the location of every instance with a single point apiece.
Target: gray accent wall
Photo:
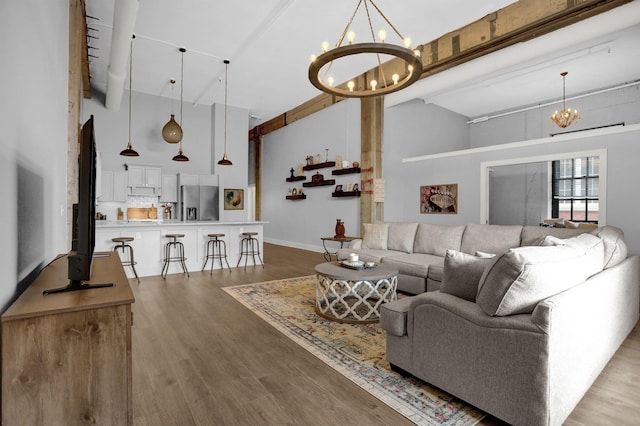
(301, 223)
(33, 141)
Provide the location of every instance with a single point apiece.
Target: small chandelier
(172, 132)
(129, 151)
(225, 160)
(180, 156)
(386, 84)
(565, 117)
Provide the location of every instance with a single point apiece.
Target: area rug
(355, 350)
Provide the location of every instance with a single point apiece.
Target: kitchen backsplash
(110, 208)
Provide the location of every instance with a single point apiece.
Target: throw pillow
(401, 236)
(375, 236)
(615, 248)
(462, 273)
(516, 280)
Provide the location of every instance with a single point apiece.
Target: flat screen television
(83, 234)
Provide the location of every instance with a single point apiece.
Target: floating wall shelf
(319, 165)
(320, 183)
(297, 197)
(346, 194)
(296, 178)
(346, 171)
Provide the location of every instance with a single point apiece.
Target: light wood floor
(201, 358)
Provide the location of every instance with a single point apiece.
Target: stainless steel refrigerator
(199, 202)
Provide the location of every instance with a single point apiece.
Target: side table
(327, 254)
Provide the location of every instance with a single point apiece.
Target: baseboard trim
(309, 247)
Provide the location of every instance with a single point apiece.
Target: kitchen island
(149, 240)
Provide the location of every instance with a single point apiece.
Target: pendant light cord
(226, 81)
(130, 78)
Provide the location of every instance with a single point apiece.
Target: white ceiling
(269, 42)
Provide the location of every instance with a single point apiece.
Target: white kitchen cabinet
(144, 180)
(113, 186)
(144, 176)
(169, 189)
(120, 186)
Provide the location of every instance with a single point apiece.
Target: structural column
(371, 151)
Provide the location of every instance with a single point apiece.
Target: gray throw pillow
(462, 273)
(375, 236)
(401, 236)
(516, 280)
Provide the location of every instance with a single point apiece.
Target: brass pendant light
(225, 160)
(129, 151)
(180, 156)
(566, 116)
(172, 132)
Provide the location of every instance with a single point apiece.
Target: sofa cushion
(490, 238)
(462, 273)
(375, 236)
(401, 236)
(516, 280)
(436, 271)
(532, 235)
(615, 248)
(436, 239)
(416, 264)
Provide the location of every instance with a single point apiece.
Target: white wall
(33, 140)
(302, 223)
(235, 176)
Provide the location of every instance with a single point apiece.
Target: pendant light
(225, 160)
(129, 151)
(172, 132)
(180, 156)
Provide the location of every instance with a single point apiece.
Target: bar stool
(249, 246)
(179, 255)
(215, 243)
(128, 261)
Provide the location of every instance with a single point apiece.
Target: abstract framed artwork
(233, 199)
(439, 199)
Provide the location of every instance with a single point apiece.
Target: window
(576, 188)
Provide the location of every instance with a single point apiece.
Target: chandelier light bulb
(351, 85)
(410, 68)
(382, 35)
(313, 58)
(417, 53)
(351, 36)
(330, 81)
(325, 46)
(373, 84)
(395, 78)
(407, 42)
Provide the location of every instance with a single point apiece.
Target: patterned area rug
(355, 350)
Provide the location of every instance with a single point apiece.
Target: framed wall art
(439, 198)
(233, 199)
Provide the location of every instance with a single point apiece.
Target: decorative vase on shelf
(339, 229)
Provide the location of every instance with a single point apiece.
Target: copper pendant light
(180, 156)
(172, 132)
(225, 160)
(129, 151)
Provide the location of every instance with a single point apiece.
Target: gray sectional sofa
(418, 249)
(521, 334)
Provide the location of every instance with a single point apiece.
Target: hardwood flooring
(201, 358)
